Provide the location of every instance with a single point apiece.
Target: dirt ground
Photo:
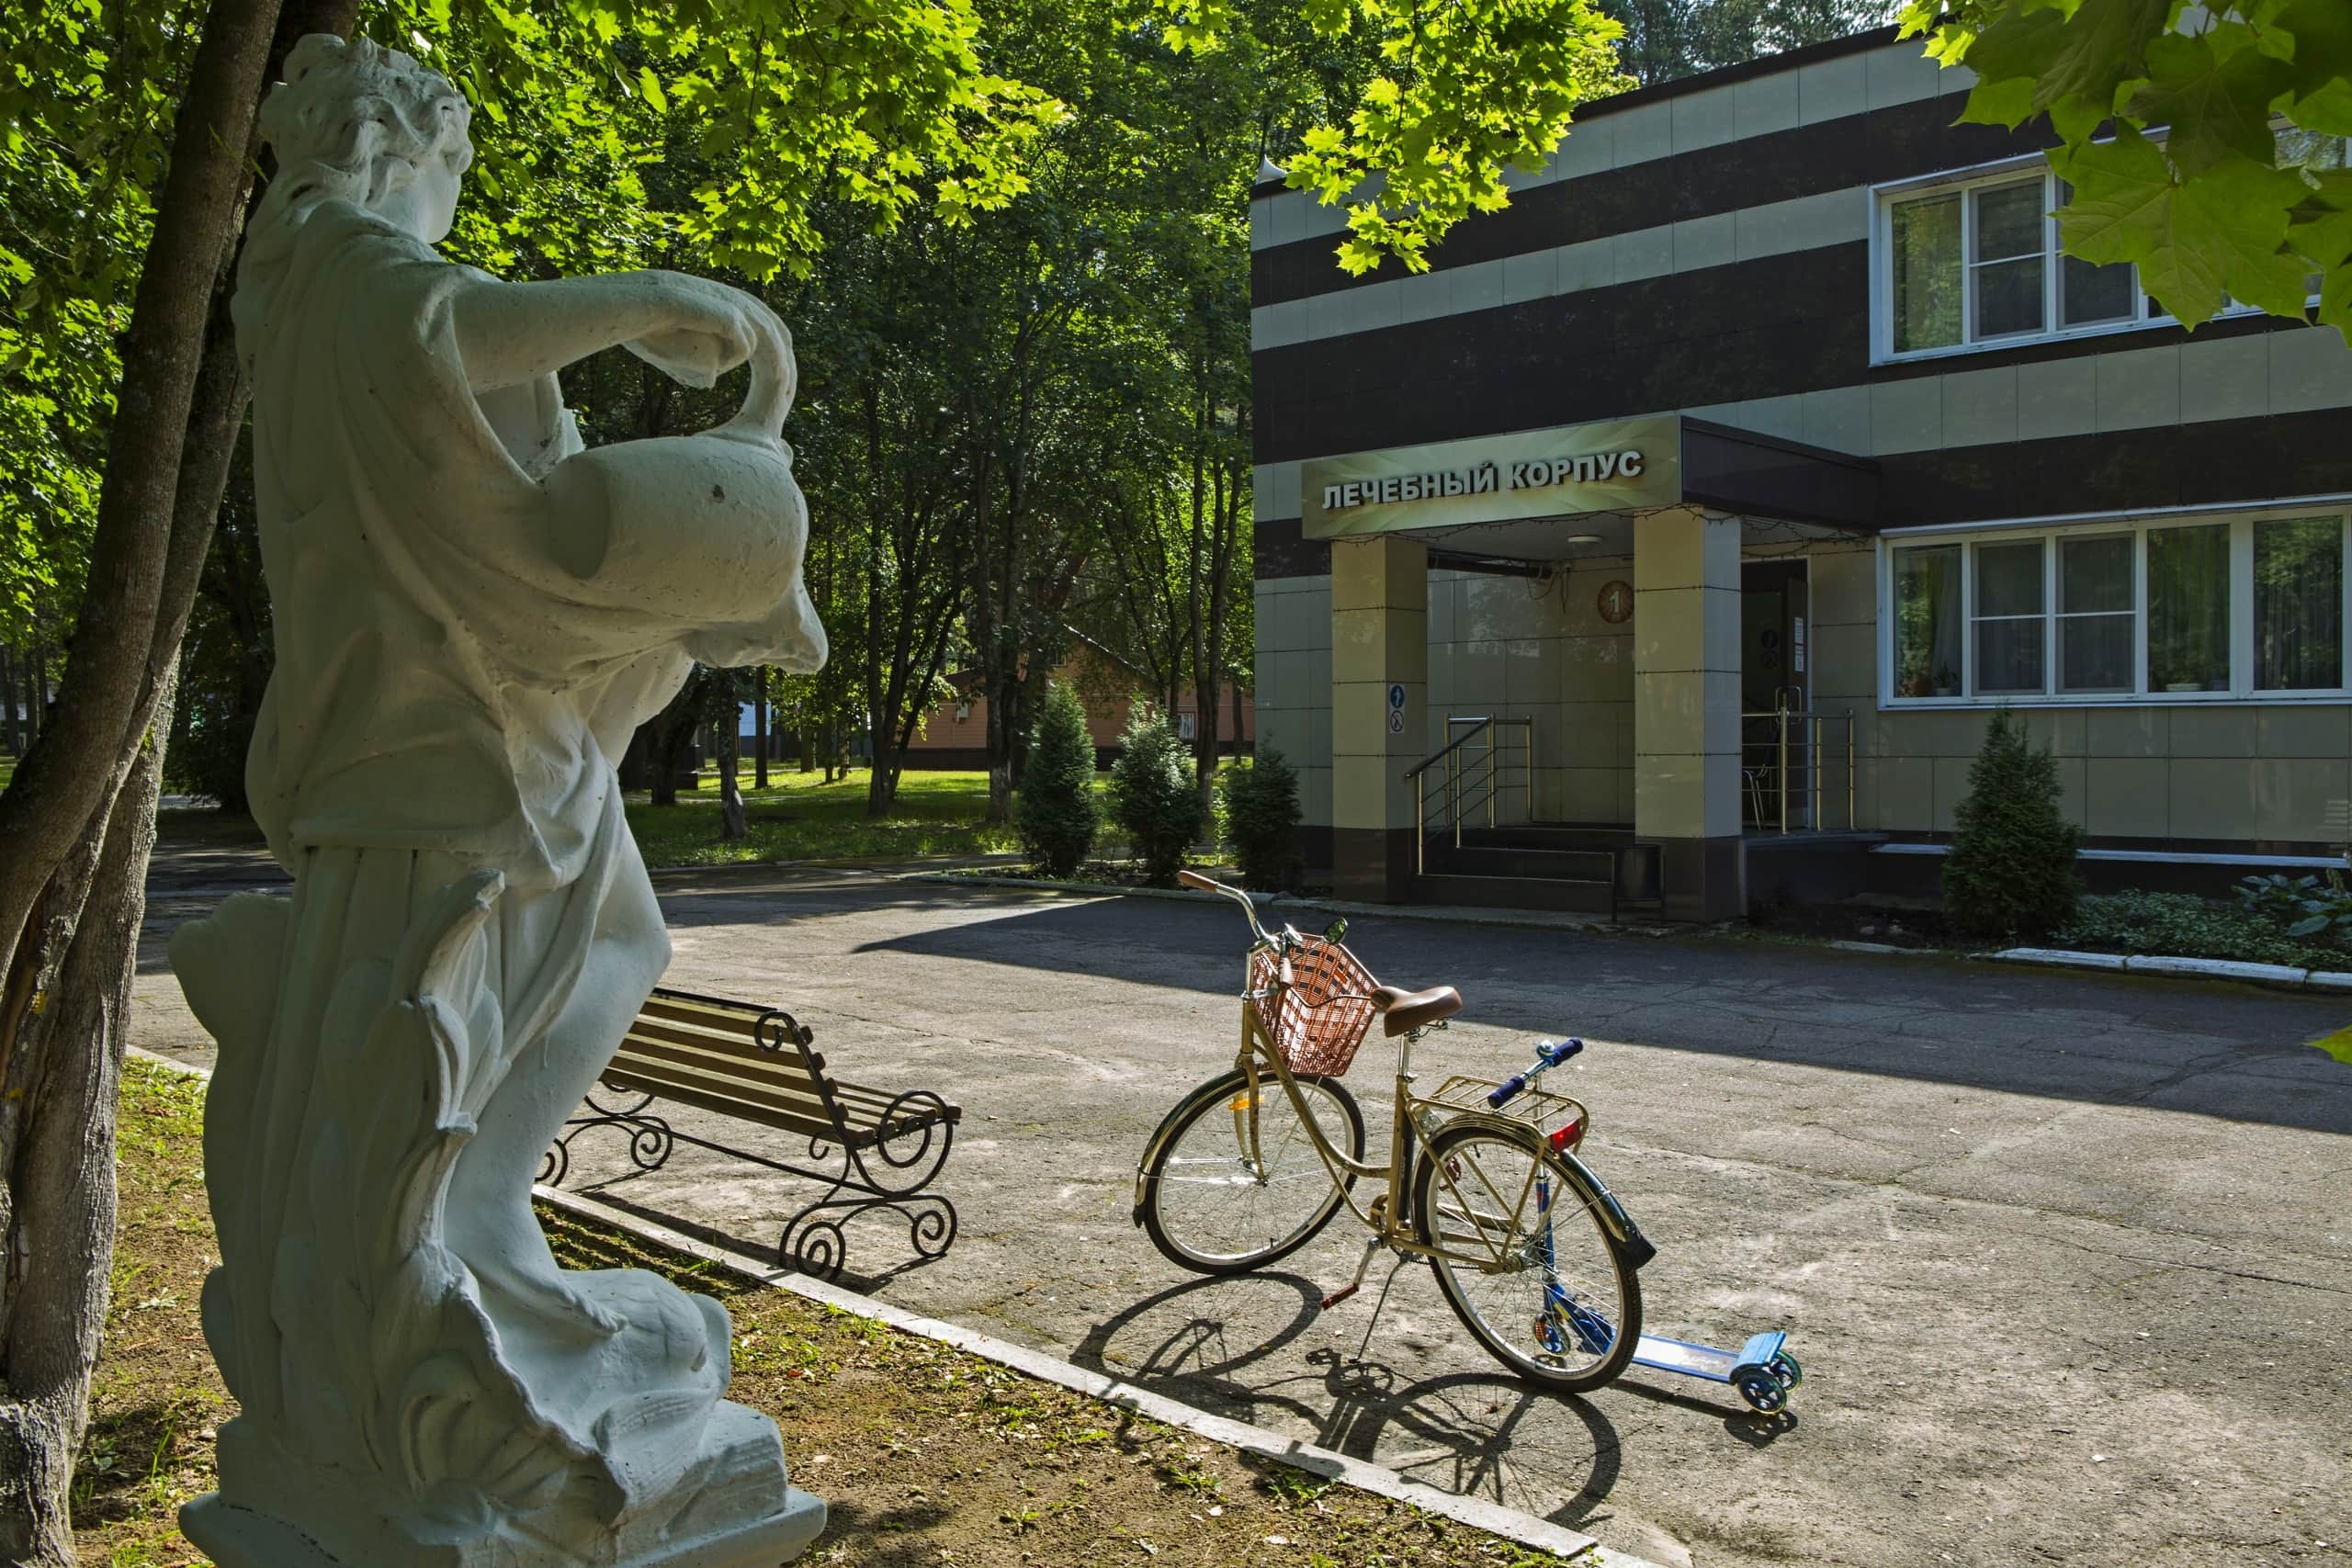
(2067, 1256)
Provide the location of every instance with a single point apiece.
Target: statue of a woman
(471, 616)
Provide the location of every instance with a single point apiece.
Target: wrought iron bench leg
(651, 1142)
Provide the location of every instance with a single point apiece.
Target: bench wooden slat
(766, 1071)
(816, 1126)
(784, 1088)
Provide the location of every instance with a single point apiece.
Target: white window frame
(1886, 198)
(2241, 690)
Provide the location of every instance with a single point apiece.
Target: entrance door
(1774, 677)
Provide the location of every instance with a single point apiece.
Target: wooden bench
(755, 1065)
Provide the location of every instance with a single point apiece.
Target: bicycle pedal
(1342, 1293)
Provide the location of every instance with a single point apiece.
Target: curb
(1511, 1523)
(2284, 976)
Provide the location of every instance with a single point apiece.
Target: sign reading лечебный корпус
(1607, 467)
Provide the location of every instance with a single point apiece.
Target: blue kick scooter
(1761, 1371)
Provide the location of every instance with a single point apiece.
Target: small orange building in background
(956, 733)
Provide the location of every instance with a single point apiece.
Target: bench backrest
(730, 1058)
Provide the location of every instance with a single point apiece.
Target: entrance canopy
(1577, 490)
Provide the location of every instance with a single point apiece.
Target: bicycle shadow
(1459, 1431)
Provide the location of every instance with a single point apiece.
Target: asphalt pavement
(2067, 1257)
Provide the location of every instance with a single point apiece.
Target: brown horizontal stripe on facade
(1798, 322)
(1282, 549)
(1894, 143)
(2219, 463)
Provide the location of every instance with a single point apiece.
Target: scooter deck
(1760, 1369)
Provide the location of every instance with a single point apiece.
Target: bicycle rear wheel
(1535, 1275)
(1208, 1207)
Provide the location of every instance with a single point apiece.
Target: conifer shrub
(1257, 816)
(1057, 816)
(1152, 796)
(2011, 871)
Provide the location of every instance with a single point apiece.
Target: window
(2235, 609)
(2095, 613)
(2299, 604)
(1974, 261)
(2188, 608)
(2009, 630)
(1926, 611)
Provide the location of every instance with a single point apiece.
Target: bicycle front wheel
(1215, 1206)
(1525, 1262)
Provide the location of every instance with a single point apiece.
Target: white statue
(471, 616)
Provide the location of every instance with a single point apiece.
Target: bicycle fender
(1217, 1088)
(1639, 1247)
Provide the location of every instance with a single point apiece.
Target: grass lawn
(7, 770)
(797, 816)
(926, 1455)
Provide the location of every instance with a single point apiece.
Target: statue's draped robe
(434, 766)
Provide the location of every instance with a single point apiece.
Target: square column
(1686, 709)
(1380, 597)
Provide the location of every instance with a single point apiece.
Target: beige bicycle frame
(1495, 1255)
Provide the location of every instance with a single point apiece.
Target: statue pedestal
(292, 1516)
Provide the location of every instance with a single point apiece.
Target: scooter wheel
(1763, 1392)
(1784, 1367)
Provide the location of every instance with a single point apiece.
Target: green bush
(1257, 816)
(2011, 871)
(1057, 816)
(2181, 925)
(1152, 794)
(2303, 906)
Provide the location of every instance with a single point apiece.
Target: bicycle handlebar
(1199, 882)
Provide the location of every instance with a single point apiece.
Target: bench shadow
(758, 1249)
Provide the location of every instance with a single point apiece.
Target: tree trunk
(760, 726)
(11, 733)
(60, 1194)
(731, 826)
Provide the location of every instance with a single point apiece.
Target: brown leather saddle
(1401, 1011)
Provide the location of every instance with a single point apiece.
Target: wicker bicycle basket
(1317, 1022)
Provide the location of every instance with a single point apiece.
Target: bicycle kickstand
(1363, 1266)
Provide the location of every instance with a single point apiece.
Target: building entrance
(1777, 746)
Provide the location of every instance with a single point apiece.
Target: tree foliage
(2170, 118)
(1462, 91)
(2011, 869)
(1152, 796)
(1057, 814)
(1258, 817)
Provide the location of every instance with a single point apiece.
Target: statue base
(322, 1520)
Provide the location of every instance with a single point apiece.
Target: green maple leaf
(2198, 244)
(2216, 99)
(2086, 54)
(2338, 1045)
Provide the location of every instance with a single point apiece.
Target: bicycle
(1531, 1250)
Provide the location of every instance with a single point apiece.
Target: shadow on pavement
(2074, 1035)
(1457, 1431)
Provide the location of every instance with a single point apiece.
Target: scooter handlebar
(1195, 880)
(1547, 1055)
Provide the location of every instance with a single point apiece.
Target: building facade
(1738, 469)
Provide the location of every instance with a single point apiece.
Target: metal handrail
(1457, 781)
(1477, 727)
(1805, 732)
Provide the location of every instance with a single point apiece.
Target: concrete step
(1562, 895)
